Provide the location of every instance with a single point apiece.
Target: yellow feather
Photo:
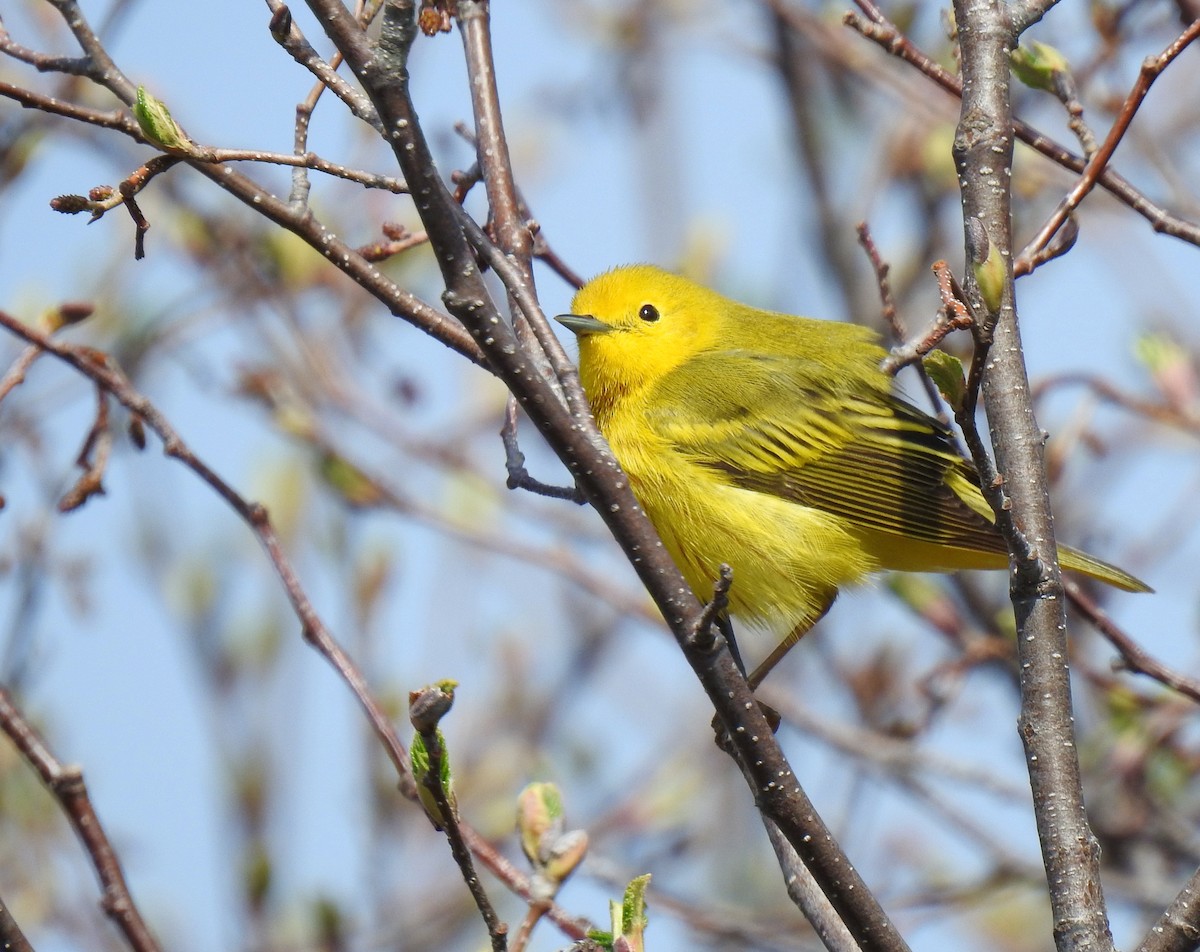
(775, 443)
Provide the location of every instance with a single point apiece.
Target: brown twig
(66, 783)
(876, 27)
(533, 915)
(952, 316)
(297, 219)
(564, 376)
(714, 609)
(12, 939)
(399, 240)
(15, 375)
(514, 461)
(806, 894)
(426, 709)
(543, 252)
(1094, 170)
(92, 458)
(1133, 657)
(101, 369)
(383, 69)
(891, 315)
(1180, 418)
(983, 153)
(1178, 929)
(293, 41)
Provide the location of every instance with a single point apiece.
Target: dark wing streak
(883, 467)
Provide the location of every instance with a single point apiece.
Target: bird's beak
(583, 324)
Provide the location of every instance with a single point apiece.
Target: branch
(66, 783)
(983, 150)
(876, 27)
(1133, 657)
(108, 376)
(1177, 930)
(12, 939)
(289, 36)
(807, 895)
(426, 708)
(1094, 170)
(298, 220)
(383, 71)
(95, 367)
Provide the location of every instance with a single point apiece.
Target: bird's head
(636, 324)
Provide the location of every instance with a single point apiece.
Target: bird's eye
(648, 313)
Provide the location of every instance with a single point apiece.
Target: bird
(777, 445)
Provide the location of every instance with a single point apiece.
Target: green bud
(422, 770)
(1160, 353)
(629, 917)
(348, 481)
(1170, 366)
(566, 853)
(1039, 65)
(553, 853)
(154, 119)
(946, 371)
(987, 263)
(257, 875)
(539, 812)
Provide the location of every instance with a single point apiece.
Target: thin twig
(67, 785)
(12, 939)
(514, 461)
(300, 221)
(92, 458)
(426, 709)
(1178, 929)
(715, 607)
(106, 374)
(1168, 414)
(1151, 69)
(383, 69)
(1133, 657)
(290, 37)
(952, 316)
(805, 894)
(15, 375)
(876, 27)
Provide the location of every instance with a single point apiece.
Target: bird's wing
(795, 428)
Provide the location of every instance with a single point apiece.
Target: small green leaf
(987, 264)
(422, 767)
(1039, 65)
(350, 482)
(946, 371)
(539, 811)
(154, 119)
(629, 917)
(1159, 352)
(553, 853)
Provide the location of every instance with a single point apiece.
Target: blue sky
(712, 180)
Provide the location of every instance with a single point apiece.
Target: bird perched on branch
(776, 444)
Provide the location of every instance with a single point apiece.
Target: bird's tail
(1078, 561)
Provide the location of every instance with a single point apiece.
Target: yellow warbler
(775, 443)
